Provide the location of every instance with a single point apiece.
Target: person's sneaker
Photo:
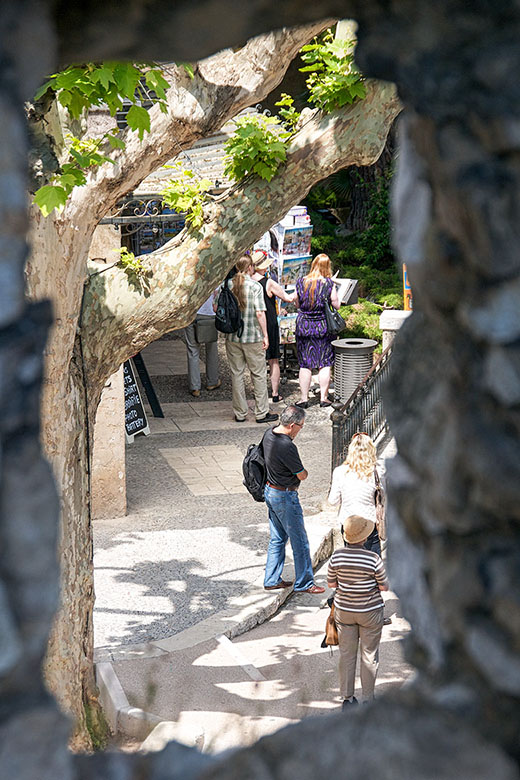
(268, 418)
(214, 387)
(195, 393)
(347, 703)
(237, 419)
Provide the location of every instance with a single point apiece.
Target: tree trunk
(223, 85)
(362, 180)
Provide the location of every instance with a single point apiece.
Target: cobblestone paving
(208, 470)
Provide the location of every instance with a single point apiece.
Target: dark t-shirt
(281, 459)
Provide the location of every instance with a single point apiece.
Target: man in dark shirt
(285, 471)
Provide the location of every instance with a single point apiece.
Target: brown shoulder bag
(331, 631)
(379, 500)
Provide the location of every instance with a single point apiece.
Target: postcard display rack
(292, 260)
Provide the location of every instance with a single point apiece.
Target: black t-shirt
(281, 459)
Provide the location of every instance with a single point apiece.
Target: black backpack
(254, 470)
(228, 317)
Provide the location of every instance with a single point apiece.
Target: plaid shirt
(254, 302)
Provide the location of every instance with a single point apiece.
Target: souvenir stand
(289, 244)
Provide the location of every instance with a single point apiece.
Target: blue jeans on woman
(373, 543)
(286, 522)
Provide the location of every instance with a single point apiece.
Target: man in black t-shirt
(285, 471)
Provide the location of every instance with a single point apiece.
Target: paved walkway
(185, 567)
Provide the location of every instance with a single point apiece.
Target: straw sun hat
(261, 260)
(357, 529)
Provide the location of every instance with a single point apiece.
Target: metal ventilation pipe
(353, 359)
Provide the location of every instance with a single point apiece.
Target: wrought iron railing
(362, 412)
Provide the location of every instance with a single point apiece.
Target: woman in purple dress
(313, 341)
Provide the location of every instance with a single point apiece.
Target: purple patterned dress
(313, 341)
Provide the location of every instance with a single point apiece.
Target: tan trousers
(364, 629)
(251, 356)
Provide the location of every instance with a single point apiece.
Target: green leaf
(157, 82)
(126, 77)
(115, 142)
(103, 75)
(43, 89)
(189, 69)
(138, 119)
(73, 177)
(50, 197)
(77, 104)
(69, 78)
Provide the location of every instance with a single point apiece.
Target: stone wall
(454, 530)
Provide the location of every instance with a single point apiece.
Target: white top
(207, 307)
(356, 495)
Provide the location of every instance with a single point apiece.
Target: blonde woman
(248, 349)
(353, 485)
(313, 341)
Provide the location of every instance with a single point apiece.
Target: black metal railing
(362, 412)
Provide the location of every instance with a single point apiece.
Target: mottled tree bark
(223, 85)
(32, 732)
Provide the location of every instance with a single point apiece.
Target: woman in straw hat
(261, 261)
(359, 576)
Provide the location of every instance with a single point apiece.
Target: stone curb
(256, 607)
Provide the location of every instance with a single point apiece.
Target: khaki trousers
(364, 629)
(251, 356)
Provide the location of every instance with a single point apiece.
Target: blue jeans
(373, 543)
(286, 522)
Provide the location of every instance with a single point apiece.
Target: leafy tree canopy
(258, 146)
(79, 88)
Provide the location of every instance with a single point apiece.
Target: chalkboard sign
(135, 417)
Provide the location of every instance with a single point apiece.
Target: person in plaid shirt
(248, 349)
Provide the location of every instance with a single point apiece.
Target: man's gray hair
(292, 414)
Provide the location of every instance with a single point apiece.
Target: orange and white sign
(407, 291)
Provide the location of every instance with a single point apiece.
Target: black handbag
(205, 330)
(335, 322)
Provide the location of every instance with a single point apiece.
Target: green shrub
(375, 283)
(321, 226)
(362, 321)
(391, 300)
(325, 244)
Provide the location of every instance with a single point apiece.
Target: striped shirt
(356, 574)
(254, 302)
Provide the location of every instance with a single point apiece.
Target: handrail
(363, 411)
